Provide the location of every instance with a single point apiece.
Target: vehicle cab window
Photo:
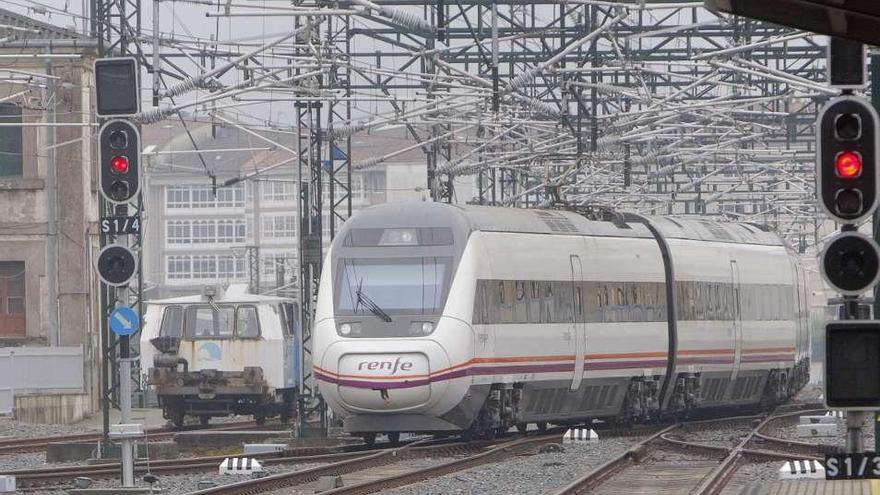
(247, 325)
(209, 322)
(172, 322)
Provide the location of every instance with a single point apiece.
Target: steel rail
(378, 459)
(597, 476)
(495, 454)
(19, 444)
(55, 476)
(732, 459)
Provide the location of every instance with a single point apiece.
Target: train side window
(534, 310)
(483, 301)
(501, 292)
(521, 306)
(172, 322)
(578, 301)
(247, 323)
(547, 304)
(209, 322)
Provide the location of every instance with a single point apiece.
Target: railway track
(21, 445)
(55, 476)
(38, 478)
(668, 463)
(382, 470)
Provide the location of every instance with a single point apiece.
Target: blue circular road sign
(124, 321)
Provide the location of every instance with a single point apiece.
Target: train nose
(384, 382)
(373, 376)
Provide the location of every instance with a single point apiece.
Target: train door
(578, 325)
(736, 318)
(800, 328)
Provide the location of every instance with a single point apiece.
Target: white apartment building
(195, 237)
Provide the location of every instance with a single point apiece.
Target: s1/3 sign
(852, 466)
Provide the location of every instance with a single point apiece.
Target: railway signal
(116, 87)
(850, 263)
(116, 265)
(852, 365)
(117, 95)
(119, 160)
(846, 146)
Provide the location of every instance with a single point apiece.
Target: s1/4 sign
(121, 225)
(852, 466)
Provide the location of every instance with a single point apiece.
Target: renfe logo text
(392, 366)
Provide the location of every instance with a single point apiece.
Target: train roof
(556, 221)
(234, 294)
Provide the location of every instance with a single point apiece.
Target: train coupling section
(208, 383)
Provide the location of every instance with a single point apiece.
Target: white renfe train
(221, 354)
(442, 319)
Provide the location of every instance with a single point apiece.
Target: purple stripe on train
(537, 368)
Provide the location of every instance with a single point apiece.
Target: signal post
(119, 145)
(848, 179)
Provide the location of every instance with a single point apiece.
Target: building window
(240, 232)
(179, 267)
(230, 267)
(202, 197)
(230, 197)
(225, 231)
(12, 313)
(204, 267)
(279, 226)
(10, 141)
(374, 181)
(177, 197)
(272, 262)
(178, 232)
(204, 232)
(278, 191)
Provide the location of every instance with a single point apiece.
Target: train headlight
(421, 328)
(346, 329)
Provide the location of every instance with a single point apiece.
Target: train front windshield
(407, 286)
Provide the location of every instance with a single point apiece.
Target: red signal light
(119, 164)
(848, 165)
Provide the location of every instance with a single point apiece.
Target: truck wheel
(394, 437)
(176, 415)
(369, 439)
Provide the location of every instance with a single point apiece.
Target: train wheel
(522, 427)
(260, 418)
(286, 414)
(204, 420)
(394, 437)
(542, 426)
(176, 416)
(369, 439)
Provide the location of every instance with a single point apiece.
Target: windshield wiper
(372, 306)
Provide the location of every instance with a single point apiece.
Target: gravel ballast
(527, 474)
